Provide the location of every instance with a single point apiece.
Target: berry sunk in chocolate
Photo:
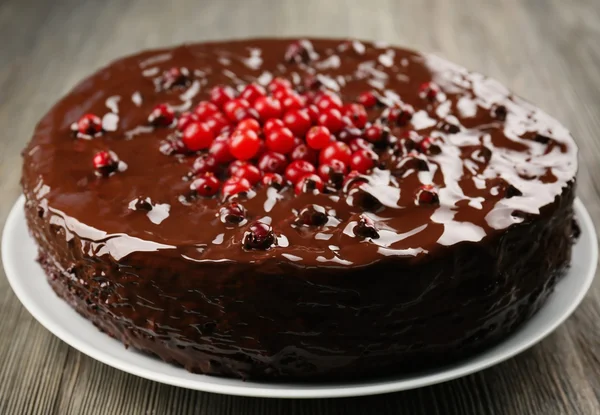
(300, 209)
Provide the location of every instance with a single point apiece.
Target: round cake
(300, 209)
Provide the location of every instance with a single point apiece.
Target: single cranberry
(272, 162)
(303, 152)
(221, 94)
(374, 133)
(205, 163)
(368, 99)
(429, 91)
(173, 77)
(89, 124)
(205, 109)
(244, 144)
(249, 172)
(267, 107)
(400, 115)
(273, 124)
(332, 119)
(232, 107)
(357, 114)
(365, 228)
(298, 168)
(308, 184)
(280, 140)
(336, 151)
(318, 137)
(259, 236)
(292, 102)
(327, 101)
(105, 162)
(197, 136)
(313, 113)
(220, 150)
(363, 160)
(279, 83)
(310, 216)
(297, 52)
(359, 144)
(162, 115)
(427, 146)
(252, 92)
(273, 180)
(333, 172)
(297, 121)
(235, 185)
(427, 195)
(185, 119)
(206, 185)
(249, 124)
(235, 166)
(232, 214)
(217, 123)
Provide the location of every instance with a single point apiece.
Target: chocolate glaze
(164, 274)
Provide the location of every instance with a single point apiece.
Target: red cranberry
(291, 102)
(185, 119)
(332, 119)
(173, 77)
(89, 124)
(205, 109)
(234, 213)
(313, 113)
(221, 94)
(273, 124)
(232, 107)
(249, 124)
(197, 136)
(368, 99)
(244, 144)
(297, 169)
(365, 228)
(357, 114)
(216, 123)
(206, 185)
(272, 162)
(374, 133)
(427, 146)
(297, 121)
(318, 137)
(280, 140)
(235, 166)
(335, 151)
(220, 150)
(333, 172)
(205, 163)
(105, 162)
(427, 195)
(279, 83)
(303, 152)
(259, 236)
(235, 185)
(249, 172)
(429, 91)
(162, 115)
(296, 52)
(273, 179)
(359, 144)
(267, 107)
(327, 101)
(309, 183)
(252, 92)
(400, 115)
(363, 160)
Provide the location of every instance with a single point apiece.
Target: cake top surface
(377, 152)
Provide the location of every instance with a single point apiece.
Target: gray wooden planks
(547, 51)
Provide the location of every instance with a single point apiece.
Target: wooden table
(547, 51)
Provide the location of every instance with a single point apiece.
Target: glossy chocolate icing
(163, 273)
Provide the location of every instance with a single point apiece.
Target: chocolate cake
(312, 209)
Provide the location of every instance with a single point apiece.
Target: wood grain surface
(545, 50)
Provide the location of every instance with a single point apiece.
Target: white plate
(29, 284)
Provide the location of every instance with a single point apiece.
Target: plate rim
(238, 387)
